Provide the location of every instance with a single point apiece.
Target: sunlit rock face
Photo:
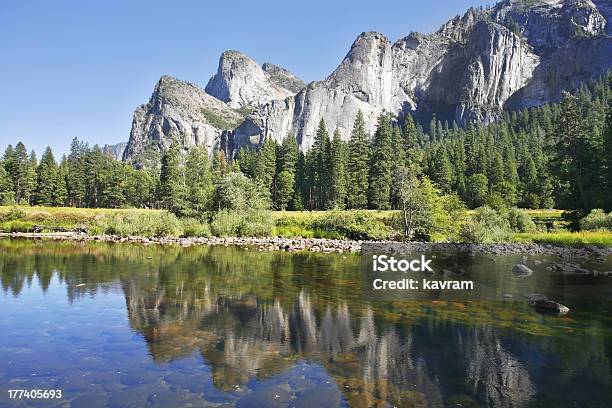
(181, 111)
(514, 55)
(517, 54)
(241, 82)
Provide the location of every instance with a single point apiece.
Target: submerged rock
(569, 269)
(548, 306)
(521, 271)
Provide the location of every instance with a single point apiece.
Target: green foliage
(337, 172)
(381, 165)
(12, 215)
(219, 121)
(477, 190)
(145, 224)
(225, 223)
(172, 190)
(318, 162)
(198, 182)
(358, 164)
(425, 211)
(597, 220)
(16, 226)
(357, 225)
(485, 226)
(520, 221)
(7, 195)
(194, 227)
(242, 208)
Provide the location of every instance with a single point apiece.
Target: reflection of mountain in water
(253, 316)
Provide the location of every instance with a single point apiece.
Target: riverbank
(336, 245)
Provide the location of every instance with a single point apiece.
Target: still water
(123, 325)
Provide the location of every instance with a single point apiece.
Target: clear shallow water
(130, 326)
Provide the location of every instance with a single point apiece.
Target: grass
(599, 238)
(290, 224)
(63, 217)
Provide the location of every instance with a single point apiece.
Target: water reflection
(288, 329)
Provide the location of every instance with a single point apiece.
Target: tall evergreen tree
(172, 181)
(46, 180)
(7, 195)
(198, 180)
(607, 149)
(381, 165)
(319, 169)
(76, 177)
(337, 171)
(358, 165)
(571, 153)
(21, 172)
(284, 182)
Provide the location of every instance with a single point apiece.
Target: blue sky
(79, 68)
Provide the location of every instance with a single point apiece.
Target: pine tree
(266, 166)
(607, 149)
(358, 165)
(76, 178)
(172, 182)
(284, 190)
(337, 172)
(400, 164)
(7, 195)
(46, 179)
(413, 154)
(381, 165)
(61, 191)
(21, 173)
(198, 180)
(571, 153)
(319, 166)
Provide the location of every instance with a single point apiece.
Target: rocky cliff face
(241, 83)
(517, 54)
(182, 111)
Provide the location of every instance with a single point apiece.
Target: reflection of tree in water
(249, 323)
(504, 382)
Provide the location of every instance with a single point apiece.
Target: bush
(255, 223)
(16, 226)
(597, 220)
(192, 227)
(520, 221)
(12, 215)
(357, 225)
(485, 226)
(150, 224)
(225, 223)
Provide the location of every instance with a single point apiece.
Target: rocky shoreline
(336, 245)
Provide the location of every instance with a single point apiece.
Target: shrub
(192, 227)
(597, 220)
(520, 221)
(225, 223)
(358, 225)
(256, 224)
(12, 215)
(485, 226)
(16, 226)
(149, 224)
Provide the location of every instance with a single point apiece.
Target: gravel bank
(339, 246)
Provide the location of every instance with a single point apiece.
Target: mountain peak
(241, 82)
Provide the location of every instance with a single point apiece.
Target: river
(128, 325)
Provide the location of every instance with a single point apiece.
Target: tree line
(556, 155)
